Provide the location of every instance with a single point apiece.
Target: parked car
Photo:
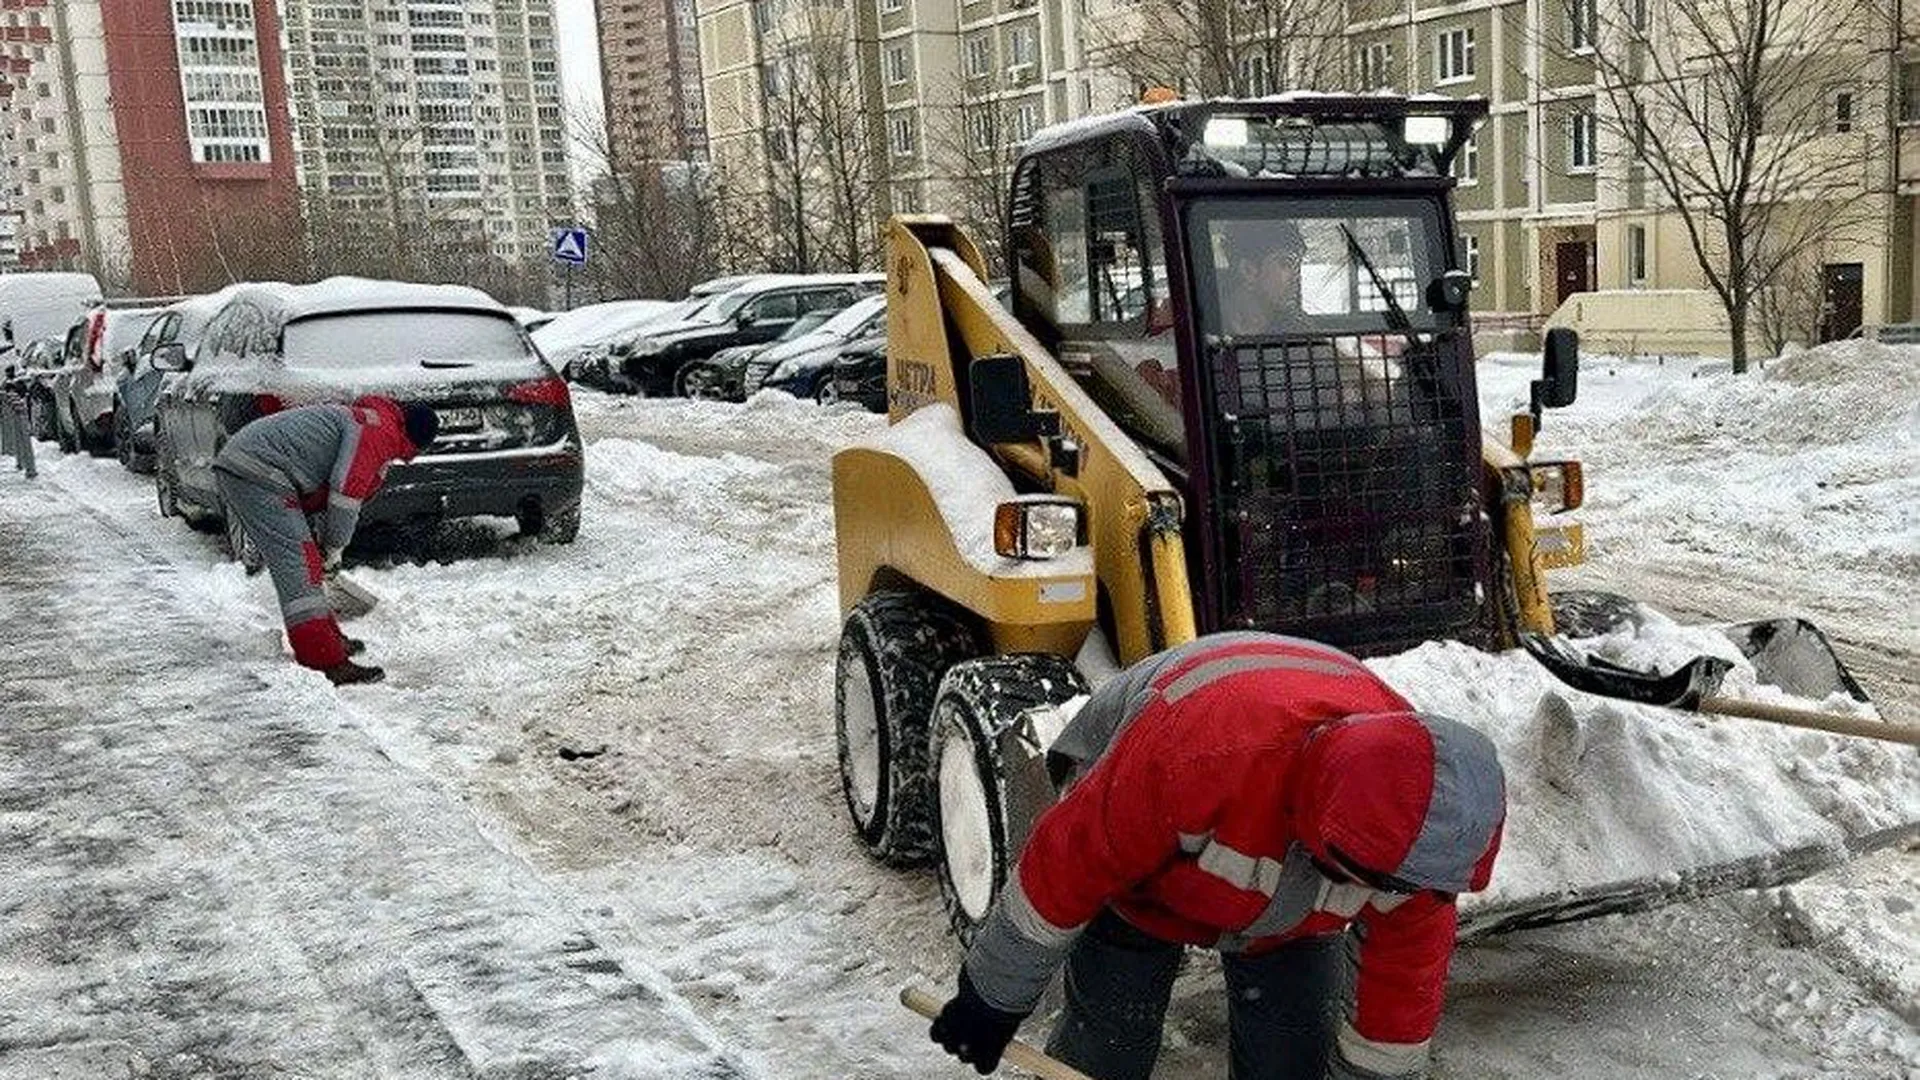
(508, 444)
(755, 313)
(718, 377)
(573, 335)
(532, 318)
(860, 374)
(85, 388)
(41, 306)
(138, 385)
(804, 368)
(31, 376)
(1907, 333)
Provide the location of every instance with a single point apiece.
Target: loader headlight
(1557, 485)
(1036, 527)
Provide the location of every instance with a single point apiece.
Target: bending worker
(278, 469)
(1255, 794)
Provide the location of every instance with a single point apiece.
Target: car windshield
(124, 330)
(850, 319)
(806, 324)
(373, 339)
(1295, 266)
(725, 307)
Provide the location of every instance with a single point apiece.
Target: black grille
(1347, 505)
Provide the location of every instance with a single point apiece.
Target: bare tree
(1240, 48)
(653, 230)
(973, 144)
(1733, 110)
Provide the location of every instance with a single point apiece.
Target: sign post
(570, 250)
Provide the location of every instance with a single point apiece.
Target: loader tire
(894, 648)
(980, 699)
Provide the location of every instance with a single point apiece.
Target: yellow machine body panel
(940, 317)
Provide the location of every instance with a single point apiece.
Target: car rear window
(124, 330)
(374, 339)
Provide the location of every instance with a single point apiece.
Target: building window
(890, 6)
(1254, 78)
(1021, 47)
(1582, 25)
(1466, 165)
(1582, 151)
(1637, 14)
(1375, 62)
(1454, 62)
(896, 64)
(980, 128)
(1910, 92)
(900, 135)
(1843, 111)
(1636, 255)
(1026, 121)
(1470, 252)
(979, 55)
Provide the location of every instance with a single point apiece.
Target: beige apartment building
(1553, 198)
(650, 82)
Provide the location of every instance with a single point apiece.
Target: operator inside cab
(1258, 267)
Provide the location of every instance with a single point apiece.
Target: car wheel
(239, 545)
(827, 392)
(700, 380)
(894, 649)
(978, 700)
(122, 437)
(64, 427)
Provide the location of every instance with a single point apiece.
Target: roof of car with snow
(340, 295)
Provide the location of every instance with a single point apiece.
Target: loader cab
(1267, 297)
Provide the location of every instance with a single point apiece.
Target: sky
(579, 42)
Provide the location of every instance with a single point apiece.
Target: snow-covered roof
(343, 294)
(1140, 117)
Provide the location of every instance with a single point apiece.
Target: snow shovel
(1019, 1054)
(349, 598)
(1695, 686)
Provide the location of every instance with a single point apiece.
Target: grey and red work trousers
(1282, 1006)
(272, 518)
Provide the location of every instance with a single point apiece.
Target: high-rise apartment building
(146, 140)
(433, 119)
(650, 76)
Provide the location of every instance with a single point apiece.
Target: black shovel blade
(1795, 656)
(1682, 689)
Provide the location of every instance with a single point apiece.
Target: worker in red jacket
(1258, 795)
(322, 460)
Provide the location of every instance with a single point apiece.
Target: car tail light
(96, 328)
(540, 392)
(268, 404)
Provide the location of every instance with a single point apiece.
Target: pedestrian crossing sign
(570, 246)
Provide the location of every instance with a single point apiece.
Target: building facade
(147, 140)
(650, 77)
(431, 121)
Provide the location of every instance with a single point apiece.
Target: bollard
(14, 437)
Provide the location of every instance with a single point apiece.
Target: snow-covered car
(804, 368)
(755, 313)
(31, 376)
(508, 445)
(573, 336)
(86, 386)
(719, 376)
(532, 318)
(860, 373)
(41, 306)
(138, 385)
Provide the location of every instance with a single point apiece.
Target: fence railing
(16, 440)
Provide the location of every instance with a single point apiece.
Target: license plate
(459, 419)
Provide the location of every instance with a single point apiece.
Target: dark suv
(752, 314)
(508, 445)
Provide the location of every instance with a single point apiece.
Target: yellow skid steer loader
(1235, 390)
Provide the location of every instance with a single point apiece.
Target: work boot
(354, 645)
(346, 673)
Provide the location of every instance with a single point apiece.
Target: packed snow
(643, 721)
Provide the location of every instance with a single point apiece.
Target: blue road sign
(570, 246)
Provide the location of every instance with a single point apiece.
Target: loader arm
(941, 316)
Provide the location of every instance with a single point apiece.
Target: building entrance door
(1570, 270)
(1839, 300)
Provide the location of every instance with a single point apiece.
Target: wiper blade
(438, 364)
(1396, 315)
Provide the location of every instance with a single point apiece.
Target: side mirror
(747, 317)
(1001, 399)
(1559, 380)
(1449, 291)
(170, 357)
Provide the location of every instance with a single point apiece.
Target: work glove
(974, 1031)
(332, 560)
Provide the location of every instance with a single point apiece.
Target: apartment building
(650, 75)
(146, 140)
(440, 111)
(1555, 200)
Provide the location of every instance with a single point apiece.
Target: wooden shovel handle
(1812, 719)
(1019, 1054)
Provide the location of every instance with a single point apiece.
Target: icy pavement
(208, 869)
(640, 726)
